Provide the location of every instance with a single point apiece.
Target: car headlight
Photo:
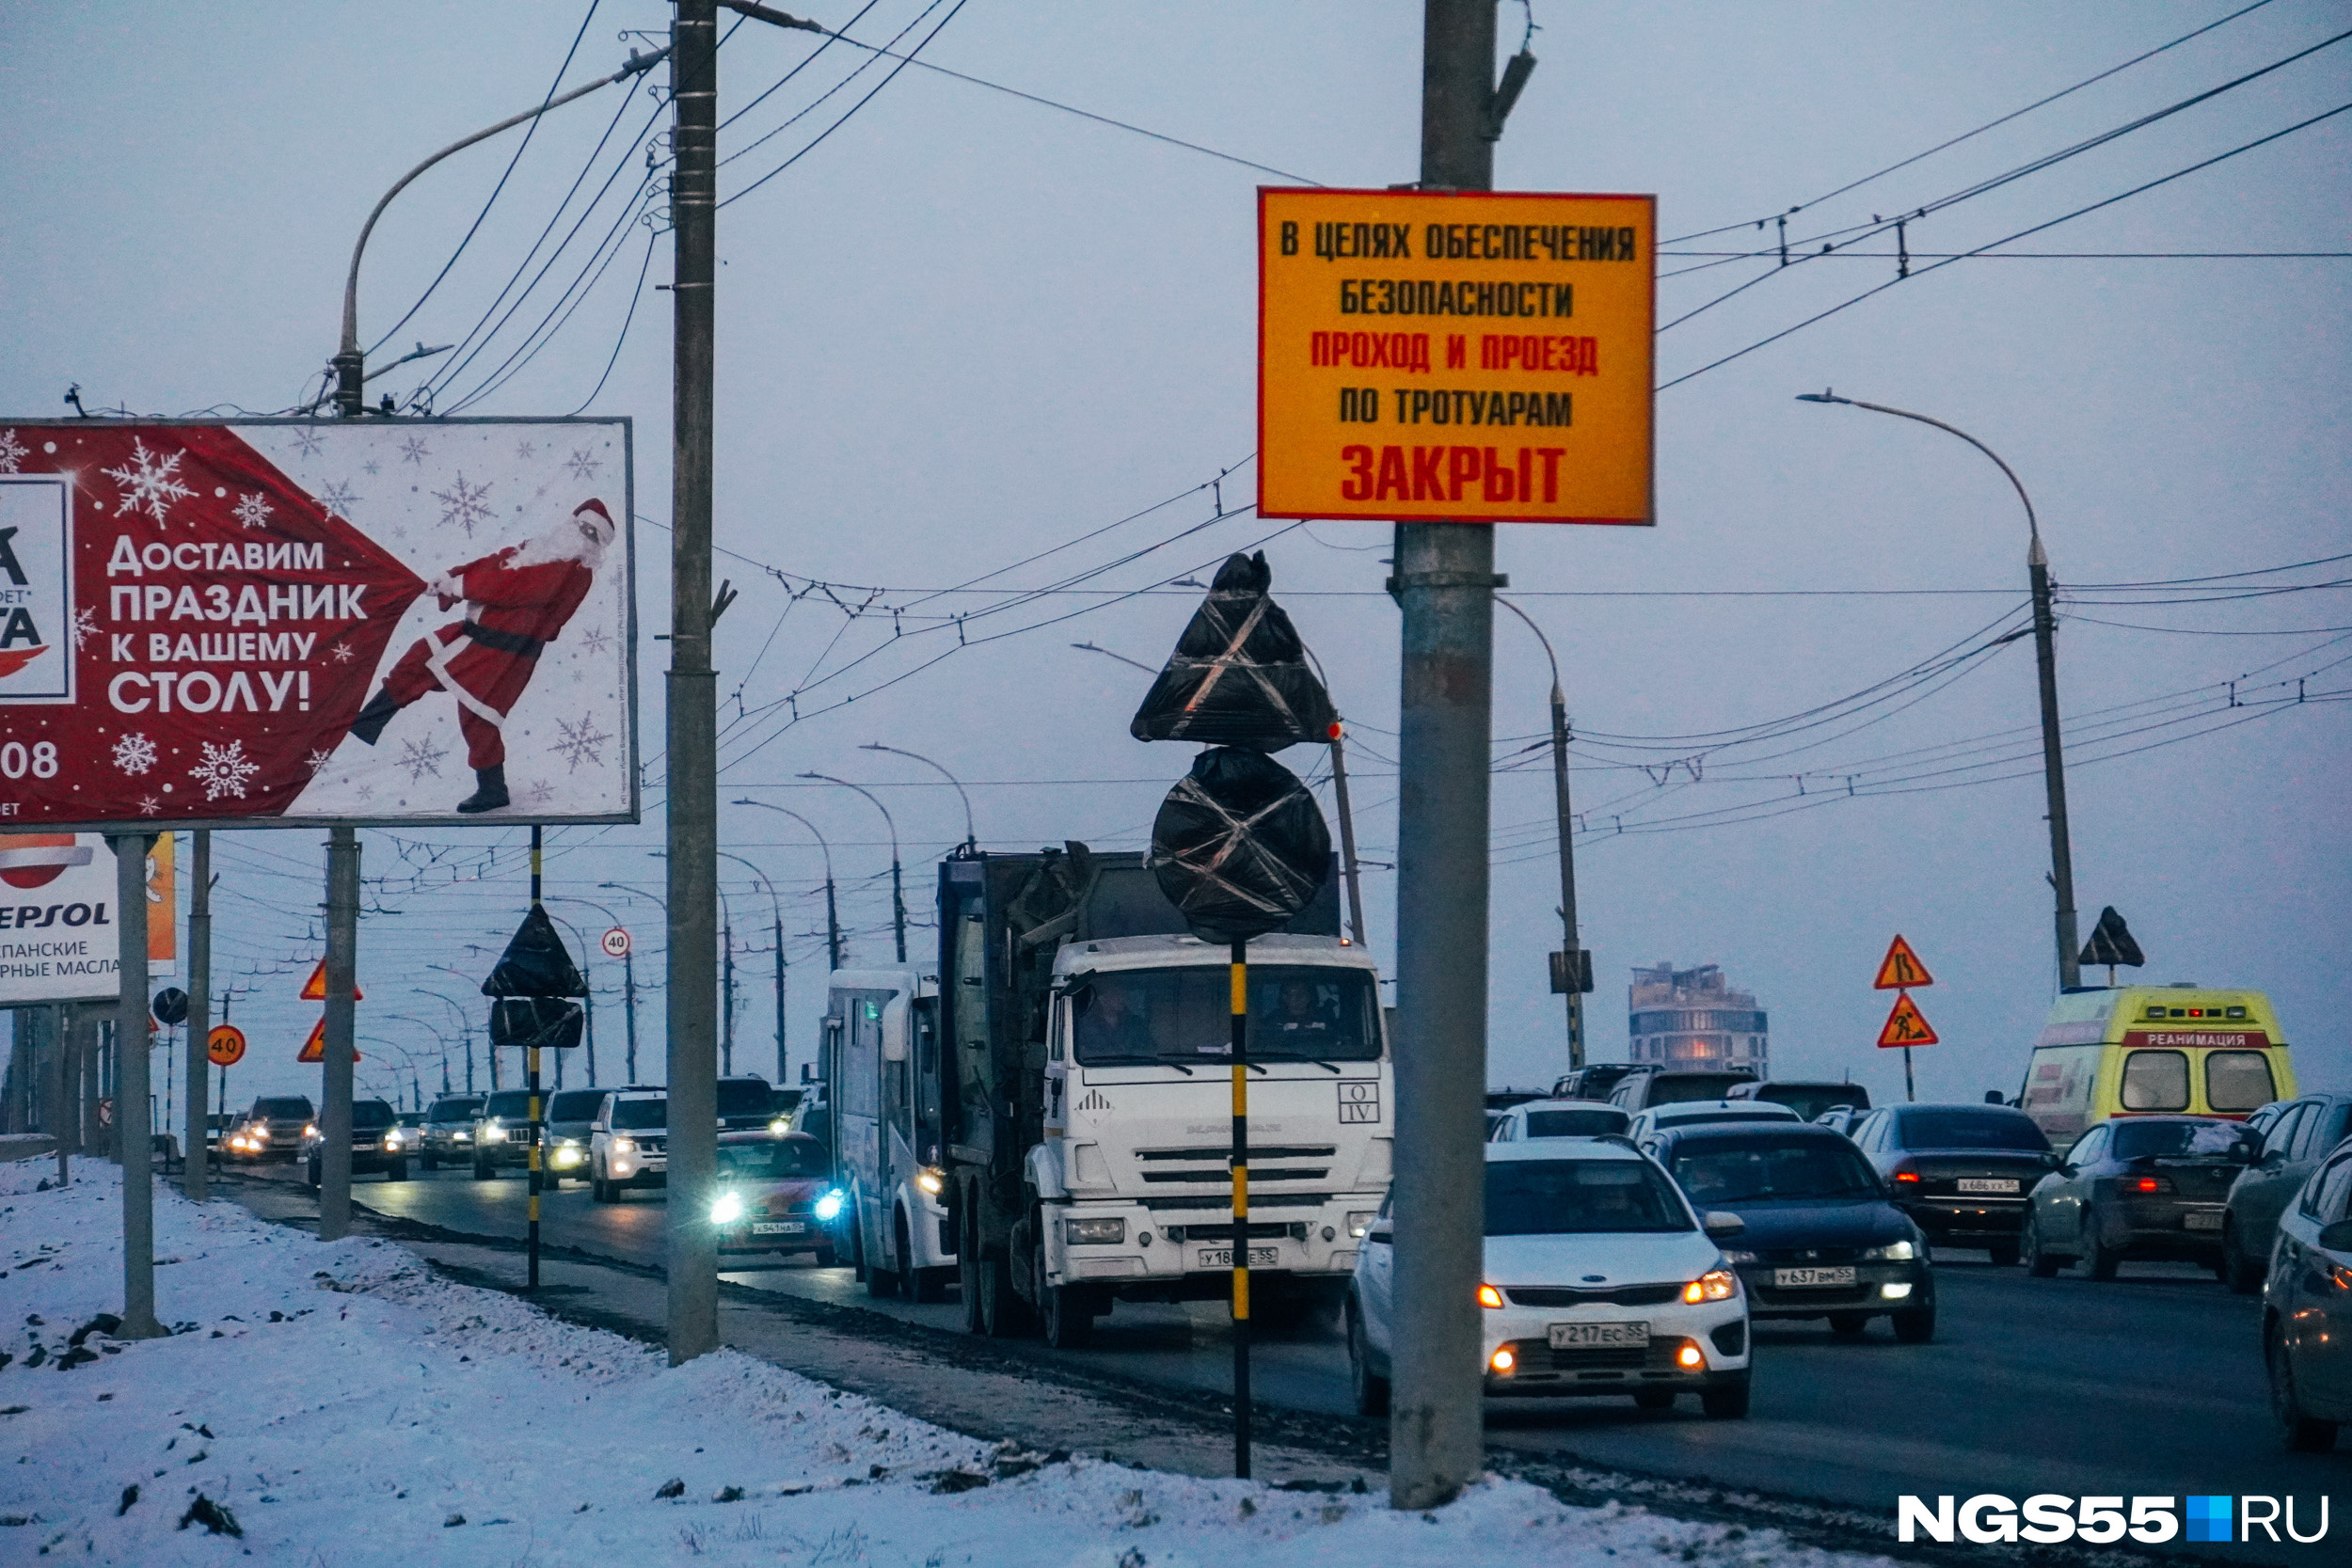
(829, 1207)
(1357, 1224)
(1094, 1233)
(492, 1132)
(779, 1127)
(1738, 1258)
(932, 1180)
(1894, 1252)
(461, 1137)
(1714, 1285)
(726, 1209)
(392, 1141)
(623, 1146)
(311, 1131)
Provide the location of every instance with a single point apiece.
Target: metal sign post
(1241, 1209)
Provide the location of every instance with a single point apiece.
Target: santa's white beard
(564, 542)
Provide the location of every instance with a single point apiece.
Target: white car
(1699, 1113)
(1600, 1279)
(1557, 1119)
(629, 1143)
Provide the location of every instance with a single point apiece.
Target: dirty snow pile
(337, 1403)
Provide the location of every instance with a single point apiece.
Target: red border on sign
(1650, 521)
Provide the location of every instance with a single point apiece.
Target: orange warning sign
(314, 1049)
(1899, 967)
(1905, 1025)
(314, 990)
(225, 1045)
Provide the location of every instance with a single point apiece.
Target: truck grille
(1215, 1165)
(1225, 1233)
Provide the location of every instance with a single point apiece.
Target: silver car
(2307, 1309)
(629, 1143)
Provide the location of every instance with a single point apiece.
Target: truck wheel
(1068, 1312)
(1003, 1314)
(1369, 1389)
(968, 1281)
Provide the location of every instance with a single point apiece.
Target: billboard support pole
(134, 1139)
(1445, 582)
(60, 1113)
(694, 804)
(530, 1083)
(343, 942)
(196, 1172)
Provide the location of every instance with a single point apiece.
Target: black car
(449, 1130)
(1961, 1172)
(746, 1104)
(378, 1143)
(502, 1132)
(1823, 1239)
(1593, 1081)
(2138, 1187)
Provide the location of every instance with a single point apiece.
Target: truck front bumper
(1155, 1250)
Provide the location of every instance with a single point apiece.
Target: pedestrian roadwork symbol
(1359, 1102)
(1905, 1026)
(1899, 967)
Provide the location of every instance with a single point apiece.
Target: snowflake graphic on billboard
(11, 451)
(580, 743)
(338, 499)
(85, 626)
(342, 652)
(317, 760)
(252, 509)
(413, 450)
(150, 482)
(584, 463)
(134, 755)
(526, 450)
(464, 504)
(149, 805)
(225, 770)
(306, 441)
(422, 757)
(595, 640)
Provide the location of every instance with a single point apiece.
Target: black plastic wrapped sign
(1239, 675)
(1239, 846)
(535, 962)
(2111, 942)
(546, 1022)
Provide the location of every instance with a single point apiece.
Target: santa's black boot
(373, 718)
(489, 791)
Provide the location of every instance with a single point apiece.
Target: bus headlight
(932, 1180)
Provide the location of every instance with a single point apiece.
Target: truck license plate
(777, 1227)
(1988, 1184)
(1599, 1336)
(1222, 1258)
(1789, 1279)
(2201, 1222)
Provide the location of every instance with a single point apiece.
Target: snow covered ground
(337, 1404)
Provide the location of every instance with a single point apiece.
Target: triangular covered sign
(2111, 942)
(1239, 674)
(314, 988)
(535, 962)
(314, 1049)
(1901, 967)
(1905, 1026)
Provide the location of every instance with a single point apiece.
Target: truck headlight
(726, 1209)
(1714, 1285)
(1894, 1252)
(931, 1180)
(829, 1207)
(1360, 1222)
(1094, 1233)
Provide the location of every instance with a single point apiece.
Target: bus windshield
(1297, 1013)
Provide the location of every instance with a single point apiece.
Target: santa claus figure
(517, 600)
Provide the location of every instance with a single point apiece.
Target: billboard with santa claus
(296, 621)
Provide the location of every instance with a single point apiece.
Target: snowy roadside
(341, 1405)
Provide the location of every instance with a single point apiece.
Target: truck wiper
(1135, 1061)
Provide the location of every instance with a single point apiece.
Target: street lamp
(1572, 959)
(465, 1025)
(776, 908)
(441, 1039)
(629, 988)
(970, 838)
(833, 919)
(2046, 657)
(897, 893)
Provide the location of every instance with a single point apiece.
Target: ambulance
(2149, 1051)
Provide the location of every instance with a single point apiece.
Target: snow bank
(338, 1405)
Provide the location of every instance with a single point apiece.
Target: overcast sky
(965, 329)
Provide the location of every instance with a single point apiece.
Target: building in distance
(1691, 1018)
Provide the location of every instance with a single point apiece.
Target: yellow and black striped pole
(1241, 1209)
(530, 1083)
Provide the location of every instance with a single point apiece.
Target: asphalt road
(2150, 1385)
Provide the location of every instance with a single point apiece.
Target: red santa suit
(517, 600)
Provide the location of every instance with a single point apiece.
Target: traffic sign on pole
(615, 942)
(314, 1049)
(225, 1045)
(1900, 968)
(314, 988)
(1905, 1026)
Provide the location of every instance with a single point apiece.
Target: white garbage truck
(1085, 1099)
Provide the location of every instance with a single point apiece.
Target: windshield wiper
(1135, 1061)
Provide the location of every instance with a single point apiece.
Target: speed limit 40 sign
(615, 942)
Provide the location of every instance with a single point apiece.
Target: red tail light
(2151, 1184)
(1910, 1176)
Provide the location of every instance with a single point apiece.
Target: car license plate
(1599, 1336)
(777, 1227)
(1988, 1184)
(1790, 1279)
(1222, 1258)
(2201, 1222)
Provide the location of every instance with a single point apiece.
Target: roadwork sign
(314, 1049)
(1456, 356)
(1905, 1025)
(314, 988)
(1900, 968)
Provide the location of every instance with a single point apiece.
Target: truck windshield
(1297, 1013)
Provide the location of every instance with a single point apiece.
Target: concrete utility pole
(132, 1133)
(1445, 582)
(196, 1175)
(1572, 962)
(343, 973)
(2045, 661)
(692, 695)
